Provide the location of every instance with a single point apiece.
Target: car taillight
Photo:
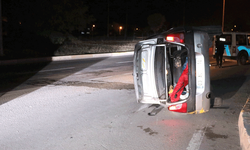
(170, 38)
(178, 108)
(178, 37)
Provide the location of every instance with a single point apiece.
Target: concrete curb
(60, 58)
(244, 126)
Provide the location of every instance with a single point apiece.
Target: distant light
(82, 32)
(232, 29)
(235, 26)
(93, 25)
(20, 22)
(88, 32)
(120, 27)
(136, 29)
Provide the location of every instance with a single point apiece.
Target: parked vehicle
(159, 70)
(237, 46)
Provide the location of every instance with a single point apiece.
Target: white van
(237, 46)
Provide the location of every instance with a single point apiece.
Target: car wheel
(242, 59)
(217, 102)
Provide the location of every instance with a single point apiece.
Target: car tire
(217, 102)
(242, 59)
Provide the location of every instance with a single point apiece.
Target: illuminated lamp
(177, 37)
(170, 38)
(178, 108)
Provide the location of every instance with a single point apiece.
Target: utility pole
(126, 25)
(108, 21)
(223, 16)
(1, 32)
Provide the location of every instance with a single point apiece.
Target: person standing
(219, 52)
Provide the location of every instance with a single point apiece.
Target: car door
(143, 70)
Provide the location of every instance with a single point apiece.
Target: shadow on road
(227, 87)
(14, 77)
(226, 81)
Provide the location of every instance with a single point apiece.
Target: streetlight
(1, 31)
(93, 30)
(223, 15)
(120, 29)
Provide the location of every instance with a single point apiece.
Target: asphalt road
(90, 104)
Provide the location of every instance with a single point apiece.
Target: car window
(241, 39)
(248, 39)
(226, 39)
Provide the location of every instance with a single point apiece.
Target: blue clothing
(185, 64)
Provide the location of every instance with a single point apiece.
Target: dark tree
(40, 15)
(156, 21)
(69, 16)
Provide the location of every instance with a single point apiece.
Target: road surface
(89, 104)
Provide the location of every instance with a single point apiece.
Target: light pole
(223, 16)
(1, 35)
(93, 30)
(108, 21)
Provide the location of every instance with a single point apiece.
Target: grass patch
(78, 47)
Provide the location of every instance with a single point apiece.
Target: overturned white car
(172, 69)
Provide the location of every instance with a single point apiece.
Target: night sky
(134, 13)
(41, 25)
(195, 12)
